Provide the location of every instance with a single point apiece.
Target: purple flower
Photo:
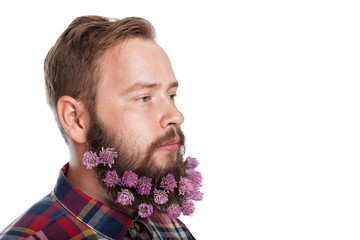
(160, 197)
(185, 186)
(129, 179)
(125, 197)
(107, 156)
(191, 163)
(188, 208)
(111, 178)
(174, 211)
(145, 210)
(168, 183)
(195, 178)
(90, 160)
(196, 196)
(144, 186)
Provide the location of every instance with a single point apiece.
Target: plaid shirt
(67, 213)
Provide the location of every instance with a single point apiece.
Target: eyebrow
(173, 85)
(142, 85)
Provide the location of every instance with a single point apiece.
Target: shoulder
(37, 217)
(48, 219)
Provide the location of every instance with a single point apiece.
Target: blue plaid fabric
(67, 213)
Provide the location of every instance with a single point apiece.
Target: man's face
(135, 101)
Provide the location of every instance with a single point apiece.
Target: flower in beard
(129, 179)
(196, 196)
(111, 178)
(144, 186)
(160, 197)
(195, 178)
(168, 183)
(188, 208)
(174, 211)
(90, 160)
(145, 210)
(191, 163)
(185, 186)
(125, 197)
(107, 156)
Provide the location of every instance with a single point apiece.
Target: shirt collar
(103, 219)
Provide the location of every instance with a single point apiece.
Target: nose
(170, 115)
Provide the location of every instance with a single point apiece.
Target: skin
(135, 101)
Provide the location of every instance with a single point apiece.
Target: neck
(86, 181)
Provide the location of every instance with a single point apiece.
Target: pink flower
(174, 211)
(185, 186)
(188, 208)
(144, 186)
(145, 210)
(129, 179)
(107, 156)
(195, 178)
(111, 178)
(191, 163)
(168, 183)
(90, 160)
(196, 196)
(160, 197)
(125, 197)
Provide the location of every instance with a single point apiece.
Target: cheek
(139, 130)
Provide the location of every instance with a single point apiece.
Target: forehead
(135, 60)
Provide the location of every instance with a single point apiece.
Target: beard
(142, 163)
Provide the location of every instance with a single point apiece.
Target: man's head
(116, 72)
(110, 85)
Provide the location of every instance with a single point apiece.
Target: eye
(144, 99)
(172, 96)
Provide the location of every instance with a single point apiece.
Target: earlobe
(74, 118)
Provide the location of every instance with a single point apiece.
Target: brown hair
(71, 67)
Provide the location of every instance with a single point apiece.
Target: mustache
(168, 136)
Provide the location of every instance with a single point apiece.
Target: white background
(270, 92)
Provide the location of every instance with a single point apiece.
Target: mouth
(170, 146)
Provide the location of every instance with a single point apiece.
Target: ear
(74, 118)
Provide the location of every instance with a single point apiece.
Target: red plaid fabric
(67, 213)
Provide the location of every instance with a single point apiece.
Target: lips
(170, 146)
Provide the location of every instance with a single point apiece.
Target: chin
(165, 159)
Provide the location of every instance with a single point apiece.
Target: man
(112, 90)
